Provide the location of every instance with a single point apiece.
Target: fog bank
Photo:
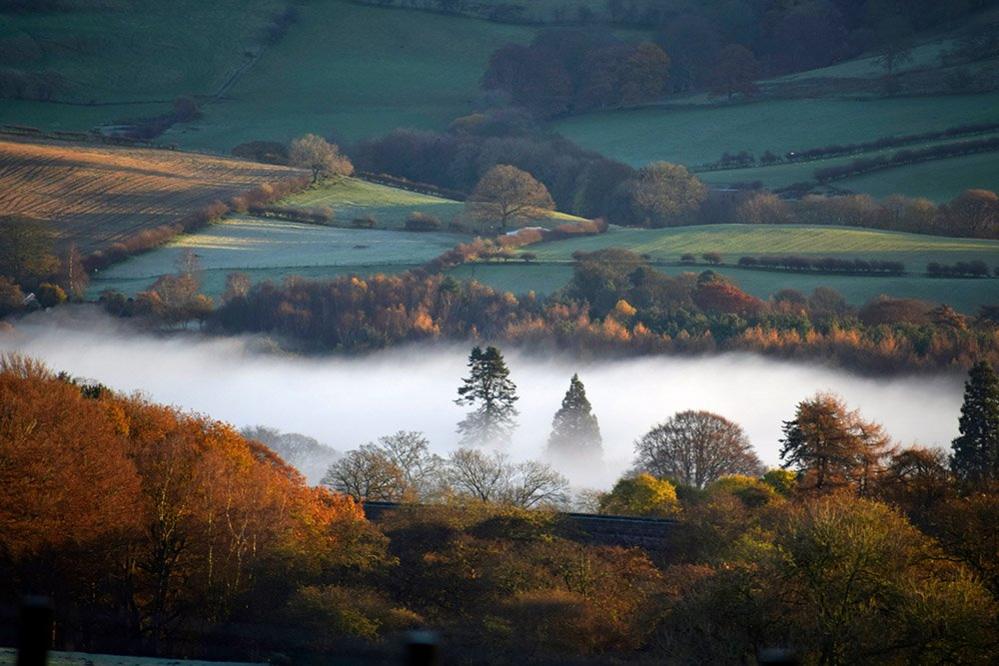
(346, 401)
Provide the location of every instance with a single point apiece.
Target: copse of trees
(660, 195)
(579, 181)
(976, 269)
(824, 264)
(569, 71)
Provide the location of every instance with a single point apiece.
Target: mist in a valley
(345, 401)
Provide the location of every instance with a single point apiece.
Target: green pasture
(939, 180)
(352, 71)
(140, 50)
(389, 206)
(736, 240)
(274, 249)
(699, 134)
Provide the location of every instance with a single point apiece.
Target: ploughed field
(96, 195)
(551, 269)
(270, 249)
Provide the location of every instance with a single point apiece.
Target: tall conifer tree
(489, 388)
(575, 429)
(976, 451)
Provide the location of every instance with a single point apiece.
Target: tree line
(615, 302)
(824, 264)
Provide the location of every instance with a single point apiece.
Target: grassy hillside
(389, 206)
(553, 267)
(96, 195)
(273, 250)
(700, 134)
(139, 50)
(735, 240)
(354, 71)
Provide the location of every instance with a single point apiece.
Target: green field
(553, 267)
(353, 71)
(274, 249)
(389, 206)
(939, 180)
(697, 135)
(141, 50)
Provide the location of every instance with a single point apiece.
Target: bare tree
(321, 157)
(508, 195)
(696, 448)
(410, 453)
(493, 478)
(366, 474)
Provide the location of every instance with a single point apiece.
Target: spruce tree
(489, 388)
(575, 430)
(976, 452)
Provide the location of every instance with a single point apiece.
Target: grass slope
(700, 134)
(353, 71)
(142, 50)
(389, 206)
(96, 195)
(273, 250)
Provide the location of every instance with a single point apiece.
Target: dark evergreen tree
(976, 452)
(575, 430)
(488, 387)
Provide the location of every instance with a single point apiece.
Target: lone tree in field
(735, 72)
(575, 433)
(320, 156)
(831, 447)
(976, 452)
(489, 388)
(695, 449)
(506, 195)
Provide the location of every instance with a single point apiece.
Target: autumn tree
(575, 436)
(493, 394)
(833, 447)
(695, 448)
(973, 213)
(735, 72)
(975, 457)
(507, 195)
(319, 156)
(660, 195)
(641, 495)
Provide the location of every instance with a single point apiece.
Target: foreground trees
(489, 388)
(695, 449)
(832, 447)
(506, 196)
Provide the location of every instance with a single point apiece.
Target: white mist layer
(346, 401)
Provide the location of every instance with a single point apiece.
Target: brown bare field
(98, 196)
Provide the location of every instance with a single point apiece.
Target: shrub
(712, 257)
(366, 222)
(50, 295)
(417, 221)
(688, 258)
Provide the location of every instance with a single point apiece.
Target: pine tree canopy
(975, 457)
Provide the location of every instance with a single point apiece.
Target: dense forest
(159, 532)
